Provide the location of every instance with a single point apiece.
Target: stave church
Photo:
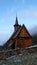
(21, 38)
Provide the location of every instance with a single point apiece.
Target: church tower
(16, 25)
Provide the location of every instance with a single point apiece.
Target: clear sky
(26, 11)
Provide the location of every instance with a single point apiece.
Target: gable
(24, 32)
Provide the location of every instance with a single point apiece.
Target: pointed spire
(16, 22)
(16, 25)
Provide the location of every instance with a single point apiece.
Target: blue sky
(26, 11)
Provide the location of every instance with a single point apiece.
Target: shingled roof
(15, 34)
(12, 36)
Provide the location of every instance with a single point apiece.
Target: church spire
(16, 22)
(16, 25)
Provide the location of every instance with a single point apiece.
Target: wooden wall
(22, 43)
(24, 39)
(24, 33)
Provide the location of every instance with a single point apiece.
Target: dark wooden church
(20, 38)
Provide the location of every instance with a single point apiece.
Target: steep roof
(12, 36)
(16, 33)
(19, 30)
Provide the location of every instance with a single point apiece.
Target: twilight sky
(26, 11)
